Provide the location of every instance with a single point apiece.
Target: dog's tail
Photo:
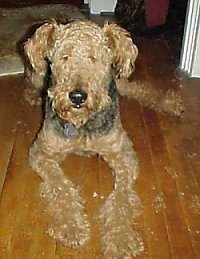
(167, 101)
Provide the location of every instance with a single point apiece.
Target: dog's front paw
(119, 239)
(73, 234)
(122, 244)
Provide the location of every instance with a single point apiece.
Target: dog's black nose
(78, 97)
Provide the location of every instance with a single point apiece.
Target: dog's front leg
(61, 197)
(122, 205)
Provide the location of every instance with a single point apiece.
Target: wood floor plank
(186, 184)
(191, 141)
(8, 126)
(9, 121)
(182, 143)
(154, 224)
(5, 155)
(175, 218)
(180, 133)
(175, 221)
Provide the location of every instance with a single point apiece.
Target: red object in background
(156, 12)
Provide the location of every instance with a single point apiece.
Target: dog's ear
(38, 48)
(124, 50)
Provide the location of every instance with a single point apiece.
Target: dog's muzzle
(99, 123)
(77, 97)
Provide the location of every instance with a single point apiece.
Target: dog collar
(70, 131)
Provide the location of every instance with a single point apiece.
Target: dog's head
(84, 59)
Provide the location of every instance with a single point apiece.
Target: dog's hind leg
(61, 197)
(117, 214)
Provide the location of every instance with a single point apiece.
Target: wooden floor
(168, 184)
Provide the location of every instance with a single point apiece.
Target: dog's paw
(73, 234)
(118, 244)
(120, 205)
(119, 239)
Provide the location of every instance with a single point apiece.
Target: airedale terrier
(81, 64)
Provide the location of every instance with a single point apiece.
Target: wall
(98, 6)
(190, 54)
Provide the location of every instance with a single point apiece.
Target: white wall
(99, 6)
(190, 53)
(196, 58)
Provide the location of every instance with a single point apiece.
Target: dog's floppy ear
(124, 50)
(39, 46)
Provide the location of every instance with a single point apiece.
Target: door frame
(190, 53)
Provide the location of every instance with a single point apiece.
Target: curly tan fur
(147, 95)
(81, 55)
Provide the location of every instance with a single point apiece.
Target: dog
(81, 64)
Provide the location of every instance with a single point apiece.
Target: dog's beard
(70, 114)
(78, 116)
